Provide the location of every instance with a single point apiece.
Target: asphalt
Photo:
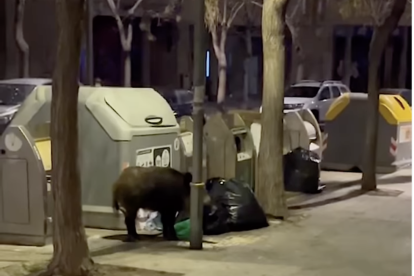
(340, 232)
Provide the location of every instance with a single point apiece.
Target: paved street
(337, 233)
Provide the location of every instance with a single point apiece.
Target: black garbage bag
(236, 207)
(301, 171)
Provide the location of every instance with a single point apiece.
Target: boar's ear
(188, 178)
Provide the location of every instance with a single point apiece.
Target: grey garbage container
(345, 133)
(121, 127)
(230, 148)
(118, 127)
(186, 147)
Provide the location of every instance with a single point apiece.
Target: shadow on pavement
(323, 198)
(395, 180)
(122, 246)
(145, 241)
(326, 201)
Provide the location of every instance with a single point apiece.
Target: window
(335, 91)
(302, 91)
(344, 89)
(325, 94)
(13, 94)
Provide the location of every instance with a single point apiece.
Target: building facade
(167, 61)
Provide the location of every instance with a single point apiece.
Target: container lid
(141, 108)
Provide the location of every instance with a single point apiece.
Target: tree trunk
(20, 41)
(347, 64)
(270, 187)
(220, 52)
(403, 59)
(377, 46)
(127, 68)
(221, 92)
(71, 254)
(126, 42)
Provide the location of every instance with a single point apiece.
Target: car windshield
(14, 94)
(302, 91)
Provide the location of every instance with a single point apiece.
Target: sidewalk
(344, 233)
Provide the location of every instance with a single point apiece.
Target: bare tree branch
(131, 11)
(260, 5)
(224, 17)
(235, 10)
(20, 40)
(215, 43)
(118, 20)
(289, 20)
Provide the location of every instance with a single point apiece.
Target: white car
(12, 94)
(313, 95)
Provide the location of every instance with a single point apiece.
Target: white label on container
(241, 156)
(154, 156)
(187, 140)
(405, 134)
(145, 158)
(12, 142)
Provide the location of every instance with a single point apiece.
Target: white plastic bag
(148, 220)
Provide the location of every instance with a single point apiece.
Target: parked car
(403, 92)
(314, 95)
(12, 94)
(180, 100)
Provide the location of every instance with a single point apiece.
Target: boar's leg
(168, 221)
(130, 216)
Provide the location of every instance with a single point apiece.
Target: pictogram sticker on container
(176, 144)
(324, 142)
(393, 147)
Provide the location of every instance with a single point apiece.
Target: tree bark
(403, 60)
(127, 68)
(220, 52)
(126, 42)
(377, 46)
(20, 41)
(270, 187)
(71, 254)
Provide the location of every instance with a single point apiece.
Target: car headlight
(6, 118)
(299, 105)
(294, 106)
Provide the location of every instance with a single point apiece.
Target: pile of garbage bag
(235, 205)
(236, 208)
(302, 171)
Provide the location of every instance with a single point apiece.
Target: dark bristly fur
(161, 189)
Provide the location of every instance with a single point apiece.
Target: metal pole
(198, 187)
(89, 42)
